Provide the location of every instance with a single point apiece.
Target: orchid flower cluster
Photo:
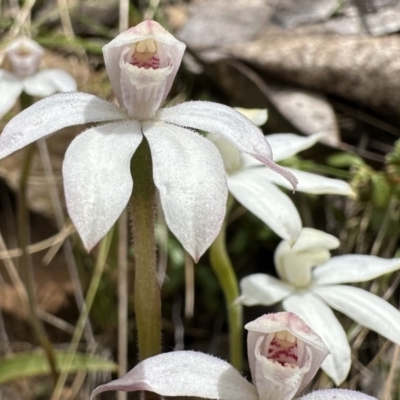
(192, 175)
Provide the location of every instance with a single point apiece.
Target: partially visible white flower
(25, 55)
(309, 285)
(255, 186)
(284, 355)
(187, 168)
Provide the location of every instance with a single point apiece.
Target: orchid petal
(258, 116)
(53, 113)
(225, 121)
(252, 188)
(294, 262)
(286, 145)
(10, 88)
(97, 177)
(365, 308)
(189, 174)
(263, 289)
(185, 373)
(48, 82)
(313, 183)
(170, 53)
(231, 156)
(271, 377)
(336, 394)
(353, 268)
(321, 319)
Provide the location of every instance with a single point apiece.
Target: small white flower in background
(255, 186)
(187, 168)
(25, 55)
(309, 285)
(284, 355)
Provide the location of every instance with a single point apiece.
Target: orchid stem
(226, 276)
(146, 288)
(26, 264)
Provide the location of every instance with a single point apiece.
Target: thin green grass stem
(26, 263)
(80, 326)
(227, 279)
(147, 296)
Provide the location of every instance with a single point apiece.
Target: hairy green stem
(226, 276)
(26, 263)
(146, 289)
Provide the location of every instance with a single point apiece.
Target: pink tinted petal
(49, 81)
(336, 394)
(54, 113)
(189, 174)
(170, 53)
(97, 177)
(225, 121)
(185, 373)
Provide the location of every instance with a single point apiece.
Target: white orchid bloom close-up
(310, 285)
(187, 168)
(284, 355)
(255, 186)
(25, 55)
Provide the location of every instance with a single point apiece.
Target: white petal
(313, 183)
(321, 319)
(365, 308)
(353, 268)
(225, 121)
(336, 394)
(286, 145)
(185, 373)
(252, 188)
(258, 116)
(48, 82)
(97, 177)
(189, 174)
(170, 52)
(53, 113)
(263, 289)
(10, 89)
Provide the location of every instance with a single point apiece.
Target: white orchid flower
(284, 355)
(187, 168)
(25, 55)
(310, 283)
(255, 186)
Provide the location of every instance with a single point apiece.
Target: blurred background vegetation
(327, 66)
